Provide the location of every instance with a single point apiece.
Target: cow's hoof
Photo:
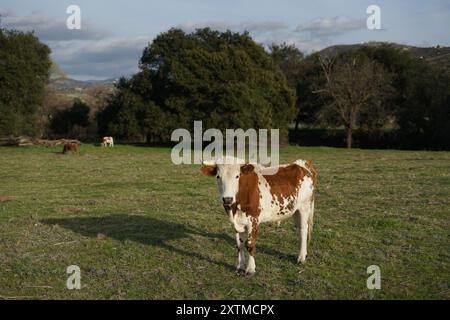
(301, 260)
(239, 271)
(249, 273)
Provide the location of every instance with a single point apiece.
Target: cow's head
(227, 174)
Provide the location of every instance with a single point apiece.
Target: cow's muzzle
(227, 203)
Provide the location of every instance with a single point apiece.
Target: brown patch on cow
(285, 184)
(247, 168)
(248, 194)
(209, 170)
(251, 247)
(70, 147)
(251, 242)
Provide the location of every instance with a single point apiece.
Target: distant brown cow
(70, 147)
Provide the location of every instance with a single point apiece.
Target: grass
(142, 228)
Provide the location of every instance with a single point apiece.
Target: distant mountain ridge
(437, 55)
(68, 84)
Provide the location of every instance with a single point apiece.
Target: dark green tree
(64, 121)
(288, 58)
(290, 61)
(24, 71)
(423, 116)
(120, 117)
(310, 81)
(224, 79)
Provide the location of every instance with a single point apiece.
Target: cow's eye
(237, 177)
(218, 177)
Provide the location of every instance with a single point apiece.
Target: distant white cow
(107, 142)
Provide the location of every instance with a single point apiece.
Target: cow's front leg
(251, 247)
(241, 237)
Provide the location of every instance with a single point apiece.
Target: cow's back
(283, 192)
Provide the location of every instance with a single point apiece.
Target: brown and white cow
(107, 142)
(252, 194)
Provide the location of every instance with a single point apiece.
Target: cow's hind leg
(241, 238)
(303, 217)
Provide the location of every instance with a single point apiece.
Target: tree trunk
(349, 137)
(297, 122)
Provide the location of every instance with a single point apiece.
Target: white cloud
(47, 28)
(88, 53)
(271, 31)
(104, 58)
(331, 26)
(257, 27)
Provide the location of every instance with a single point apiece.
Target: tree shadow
(150, 231)
(145, 230)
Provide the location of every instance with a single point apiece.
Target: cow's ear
(209, 170)
(247, 168)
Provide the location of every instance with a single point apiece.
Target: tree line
(227, 80)
(380, 91)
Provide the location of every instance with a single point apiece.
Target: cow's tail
(313, 173)
(310, 222)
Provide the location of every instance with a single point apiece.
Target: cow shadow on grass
(142, 229)
(150, 231)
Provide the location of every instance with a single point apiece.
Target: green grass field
(140, 227)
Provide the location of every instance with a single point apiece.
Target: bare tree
(353, 84)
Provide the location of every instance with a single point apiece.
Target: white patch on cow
(251, 265)
(240, 221)
(301, 163)
(241, 237)
(228, 172)
(231, 216)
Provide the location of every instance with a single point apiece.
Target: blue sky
(114, 33)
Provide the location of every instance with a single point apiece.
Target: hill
(437, 55)
(65, 84)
